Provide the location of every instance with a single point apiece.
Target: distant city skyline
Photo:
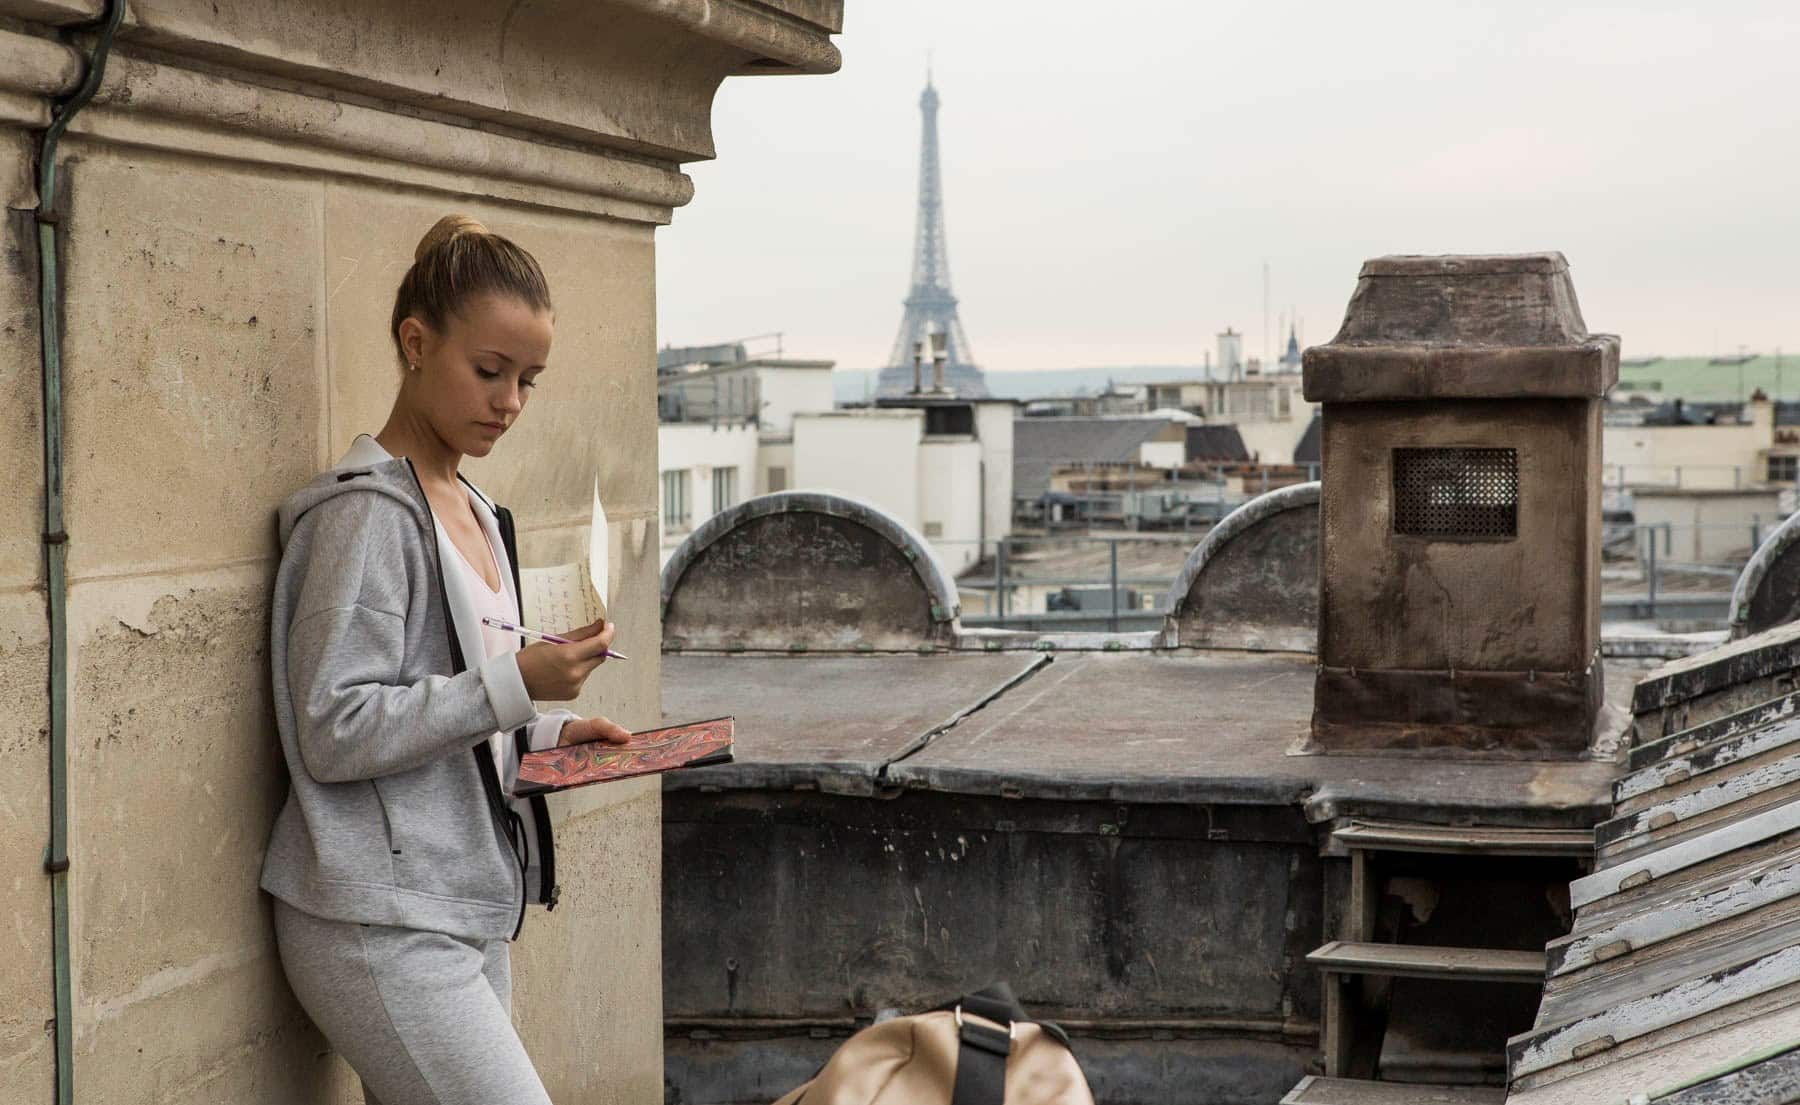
(1112, 188)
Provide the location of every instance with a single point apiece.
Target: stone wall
(241, 200)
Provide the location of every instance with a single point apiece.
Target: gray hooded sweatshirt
(396, 814)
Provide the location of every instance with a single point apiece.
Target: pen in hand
(508, 627)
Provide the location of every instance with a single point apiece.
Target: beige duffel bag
(982, 1050)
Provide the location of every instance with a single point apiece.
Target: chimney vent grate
(1456, 494)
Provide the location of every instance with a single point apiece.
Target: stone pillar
(1459, 590)
(240, 201)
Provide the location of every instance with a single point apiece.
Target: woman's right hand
(555, 673)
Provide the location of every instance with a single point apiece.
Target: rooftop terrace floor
(1191, 727)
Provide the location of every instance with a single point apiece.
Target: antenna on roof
(1268, 347)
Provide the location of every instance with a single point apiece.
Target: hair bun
(445, 229)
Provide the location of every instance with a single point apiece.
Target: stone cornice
(596, 102)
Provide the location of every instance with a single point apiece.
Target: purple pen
(508, 627)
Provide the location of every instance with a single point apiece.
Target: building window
(950, 420)
(777, 479)
(676, 512)
(1456, 494)
(1784, 469)
(724, 483)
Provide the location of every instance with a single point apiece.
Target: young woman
(401, 865)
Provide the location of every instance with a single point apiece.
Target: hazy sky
(1115, 175)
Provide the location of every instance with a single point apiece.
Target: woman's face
(474, 378)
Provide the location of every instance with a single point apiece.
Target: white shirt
(490, 603)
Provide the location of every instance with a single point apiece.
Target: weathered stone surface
(941, 897)
(18, 192)
(263, 1047)
(1380, 372)
(194, 390)
(1462, 327)
(1520, 300)
(25, 1005)
(1253, 582)
(637, 74)
(26, 1067)
(1406, 623)
(796, 571)
(878, 711)
(786, 576)
(142, 99)
(1767, 592)
(21, 384)
(167, 670)
(634, 73)
(1777, 600)
(55, 12)
(1530, 603)
(1527, 714)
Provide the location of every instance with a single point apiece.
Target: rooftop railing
(1679, 576)
(1624, 477)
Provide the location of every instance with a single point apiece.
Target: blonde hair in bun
(457, 260)
(446, 228)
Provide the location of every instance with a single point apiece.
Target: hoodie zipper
(549, 893)
(484, 757)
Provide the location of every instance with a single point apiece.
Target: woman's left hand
(582, 730)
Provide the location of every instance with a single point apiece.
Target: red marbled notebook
(647, 753)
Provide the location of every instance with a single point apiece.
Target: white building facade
(704, 469)
(726, 430)
(734, 427)
(944, 467)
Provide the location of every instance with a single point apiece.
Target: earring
(413, 366)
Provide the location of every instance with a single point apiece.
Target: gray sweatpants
(422, 1017)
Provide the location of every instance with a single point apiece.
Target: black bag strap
(981, 1064)
(549, 892)
(984, 1048)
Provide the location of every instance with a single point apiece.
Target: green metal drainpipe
(56, 545)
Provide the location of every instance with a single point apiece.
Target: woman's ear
(412, 340)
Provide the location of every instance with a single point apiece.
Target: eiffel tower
(930, 308)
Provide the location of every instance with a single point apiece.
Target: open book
(647, 753)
